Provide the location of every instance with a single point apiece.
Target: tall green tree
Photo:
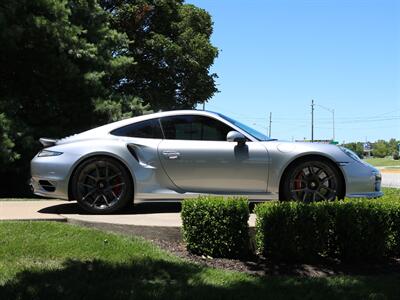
(69, 65)
(56, 57)
(380, 149)
(170, 42)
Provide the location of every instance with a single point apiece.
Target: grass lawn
(44, 260)
(382, 162)
(390, 194)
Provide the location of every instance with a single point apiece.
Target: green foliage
(170, 42)
(361, 230)
(53, 260)
(56, 56)
(122, 107)
(216, 226)
(382, 162)
(7, 154)
(381, 149)
(70, 65)
(357, 148)
(292, 231)
(353, 230)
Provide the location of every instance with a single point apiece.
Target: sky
(277, 55)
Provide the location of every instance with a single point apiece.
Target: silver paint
(176, 169)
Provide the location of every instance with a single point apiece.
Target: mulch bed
(258, 265)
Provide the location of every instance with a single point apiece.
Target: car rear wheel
(102, 185)
(312, 180)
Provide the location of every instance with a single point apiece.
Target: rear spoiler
(47, 142)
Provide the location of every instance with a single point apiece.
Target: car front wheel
(102, 185)
(312, 180)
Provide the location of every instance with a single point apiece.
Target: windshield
(254, 133)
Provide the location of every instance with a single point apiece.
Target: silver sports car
(174, 155)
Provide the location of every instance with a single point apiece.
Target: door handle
(171, 154)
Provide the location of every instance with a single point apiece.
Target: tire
(312, 180)
(102, 185)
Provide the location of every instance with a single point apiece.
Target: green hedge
(216, 226)
(355, 230)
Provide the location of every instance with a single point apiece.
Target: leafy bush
(351, 230)
(361, 230)
(216, 226)
(292, 231)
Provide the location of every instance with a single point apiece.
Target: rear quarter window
(149, 129)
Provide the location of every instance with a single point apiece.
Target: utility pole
(312, 121)
(333, 123)
(332, 111)
(204, 105)
(270, 123)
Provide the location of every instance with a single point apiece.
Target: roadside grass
(44, 260)
(390, 195)
(382, 162)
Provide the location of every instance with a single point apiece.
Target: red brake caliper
(117, 189)
(297, 182)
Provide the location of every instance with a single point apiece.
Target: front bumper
(362, 180)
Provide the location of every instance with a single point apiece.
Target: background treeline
(380, 148)
(70, 65)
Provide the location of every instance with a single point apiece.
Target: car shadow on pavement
(140, 208)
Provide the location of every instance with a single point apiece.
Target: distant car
(174, 155)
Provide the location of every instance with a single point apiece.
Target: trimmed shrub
(395, 228)
(216, 226)
(292, 231)
(361, 229)
(353, 230)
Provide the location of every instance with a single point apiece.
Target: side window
(149, 129)
(194, 128)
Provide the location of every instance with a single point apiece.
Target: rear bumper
(50, 177)
(48, 188)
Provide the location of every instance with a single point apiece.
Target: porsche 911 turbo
(170, 156)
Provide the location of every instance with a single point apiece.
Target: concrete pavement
(149, 220)
(29, 210)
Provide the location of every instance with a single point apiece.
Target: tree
(380, 149)
(69, 65)
(357, 148)
(393, 146)
(56, 58)
(6, 144)
(170, 42)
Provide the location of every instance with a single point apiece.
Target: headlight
(46, 153)
(350, 153)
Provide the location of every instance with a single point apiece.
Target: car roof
(156, 115)
(104, 129)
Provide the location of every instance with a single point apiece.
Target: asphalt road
(391, 179)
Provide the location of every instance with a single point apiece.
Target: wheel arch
(92, 155)
(309, 157)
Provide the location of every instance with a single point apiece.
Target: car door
(197, 157)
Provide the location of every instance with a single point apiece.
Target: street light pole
(333, 123)
(312, 121)
(270, 123)
(332, 111)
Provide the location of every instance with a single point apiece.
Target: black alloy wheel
(311, 181)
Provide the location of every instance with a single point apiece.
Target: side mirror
(234, 136)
